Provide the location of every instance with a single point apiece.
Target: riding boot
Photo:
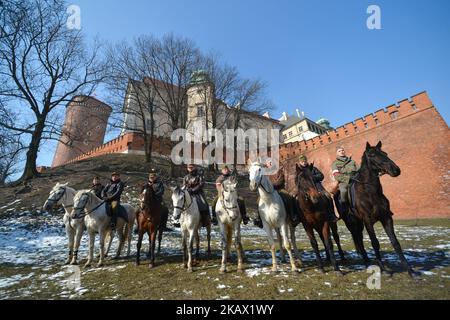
(213, 211)
(258, 222)
(243, 211)
(214, 217)
(114, 209)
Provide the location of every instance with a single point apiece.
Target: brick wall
(416, 138)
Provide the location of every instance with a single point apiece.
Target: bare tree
(135, 107)
(43, 64)
(11, 149)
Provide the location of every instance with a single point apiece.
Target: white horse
(88, 206)
(61, 194)
(186, 209)
(229, 218)
(271, 210)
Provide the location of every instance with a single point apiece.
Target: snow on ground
(39, 241)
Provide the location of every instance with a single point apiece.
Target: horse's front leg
(121, 234)
(208, 237)
(239, 249)
(334, 230)
(310, 232)
(184, 245)
(102, 236)
(190, 248)
(91, 249)
(271, 245)
(329, 247)
(287, 245)
(78, 235)
(225, 248)
(197, 241)
(139, 244)
(280, 242)
(154, 230)
(294, 244)
(70, 232)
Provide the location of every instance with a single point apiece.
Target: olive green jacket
(346, 168)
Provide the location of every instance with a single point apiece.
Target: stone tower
(200, 98)
(84, 128)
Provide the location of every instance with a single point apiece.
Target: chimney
(298, 113)
(284, 117)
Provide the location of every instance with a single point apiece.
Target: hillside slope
(133, 168)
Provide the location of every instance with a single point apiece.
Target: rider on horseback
(226, 174)
(343, 169)
(278, 181)
(318, 177)
(194, 182)
(157, 185)
(97, 187)
(111, 195)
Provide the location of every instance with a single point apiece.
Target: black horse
(371, 205)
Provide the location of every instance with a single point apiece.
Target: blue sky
(316, 56)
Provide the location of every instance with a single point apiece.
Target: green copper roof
(199, 76)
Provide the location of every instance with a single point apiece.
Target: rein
(60, 197)
(87, 213)
(184, 208)
(227, 209)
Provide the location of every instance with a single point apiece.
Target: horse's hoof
(150, 266)
(274, 269)
(100, 264)
(185, 266)
(240, 270)
(74, 263)
(222, 270)
(190, 270)
(87, 265)
(414, 274)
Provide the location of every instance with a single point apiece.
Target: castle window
(366, 125)
(300, 128)
(394, 115)
(377, 122)
(200, 111)
(356, 129)
(290, 133)
(284, 136)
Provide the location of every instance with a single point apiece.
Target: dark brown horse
(314, 206)
(371, 205)
(149, 219)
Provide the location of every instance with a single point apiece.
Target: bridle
(54, 201)
(259, 184)
(84, 208)
(227, 209)
(184, 208)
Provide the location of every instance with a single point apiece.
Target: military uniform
(111, 195)
(158, 188)
(194, 182)
(343, 169)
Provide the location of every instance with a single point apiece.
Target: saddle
(122, 212)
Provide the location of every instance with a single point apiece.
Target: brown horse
(371, 205)
(314, 206)
(149, 220)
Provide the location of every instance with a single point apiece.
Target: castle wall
(415, 137)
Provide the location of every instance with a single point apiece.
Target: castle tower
(200, 98)
(84, 128)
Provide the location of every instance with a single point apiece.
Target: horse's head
(256, 172)
(305, 183)
(230, 198)
(55, 197)
(146, 196)
(378, 160)
(82, 199)
(178, 201)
